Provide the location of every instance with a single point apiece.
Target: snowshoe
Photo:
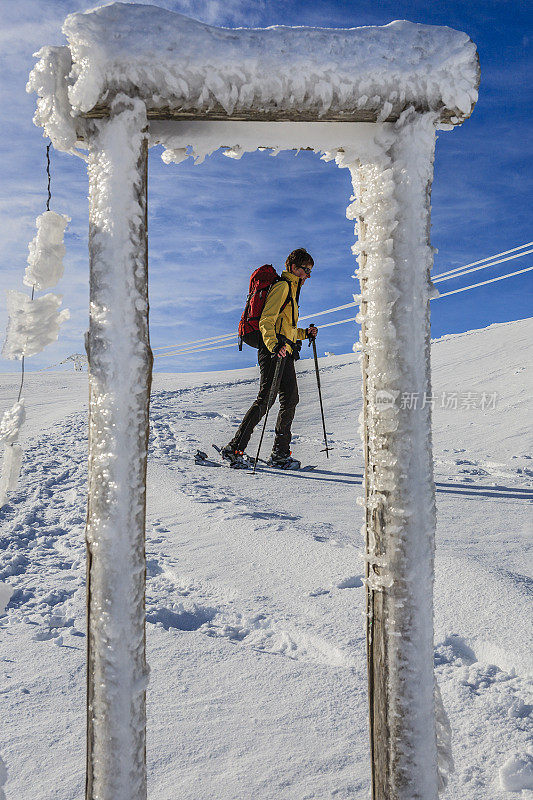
(283, 461)
(235, 457)
(203, 460)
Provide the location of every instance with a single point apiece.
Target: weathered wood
(393, 617)
(446, 116)
(120, 366)
(376, 629)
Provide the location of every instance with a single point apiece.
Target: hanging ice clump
(11, 423)
(6, 593)
(32, 323)
(10, 426)
(45, 260)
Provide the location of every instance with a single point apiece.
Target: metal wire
(458, 272)
(48, 146)
(192, 350)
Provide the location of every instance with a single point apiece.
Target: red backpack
(261, 282)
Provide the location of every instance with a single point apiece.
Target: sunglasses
(307, 271)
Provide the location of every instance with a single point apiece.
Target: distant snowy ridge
(169, 60)
(255, 595)
(494, 326)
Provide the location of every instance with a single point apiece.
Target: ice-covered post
(120, 365)
(392, 207)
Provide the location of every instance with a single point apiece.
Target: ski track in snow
(41, 544)
(213, 571)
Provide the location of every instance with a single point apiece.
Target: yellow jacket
(272, 322)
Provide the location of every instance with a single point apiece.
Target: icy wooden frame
(399, 611)
(390, 158)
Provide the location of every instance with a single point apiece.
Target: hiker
(278, 337)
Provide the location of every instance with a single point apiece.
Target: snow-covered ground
(254, 594)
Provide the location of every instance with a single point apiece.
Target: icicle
(175, 155)
(10, 425)
(235, 152)
(5, 595)
(10, 470)
(445, 763)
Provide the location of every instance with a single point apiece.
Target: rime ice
(32, 324)
(11, 423)
(10, 471)
(119, 392)
(160, 56)
(45, 260)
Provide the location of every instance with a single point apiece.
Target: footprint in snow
(257, 631)
(153, 568)
(319, 592)
(454, 650)
(181, 618)
(353, 582)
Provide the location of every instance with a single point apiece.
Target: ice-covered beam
(392, 209)
(120, 363)
(184, 69)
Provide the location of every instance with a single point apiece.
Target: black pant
(288, 400)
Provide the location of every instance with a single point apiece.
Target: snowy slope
(254, 594)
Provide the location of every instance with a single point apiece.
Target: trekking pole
(326, 448)
(276, 380)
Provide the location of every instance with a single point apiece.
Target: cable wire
(439, 278)
(328, 311)
(197, 350)
(198, 341)
(444, 276)
(484, 283)
(215, 339)
(352, 319)
(22, 369)
(489, 258)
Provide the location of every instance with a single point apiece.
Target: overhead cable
(198, 341)
(442, 276)
(196, 350)
(489, 258)
(339, 322)
(327, 311)
(192, 351)
(484, 283)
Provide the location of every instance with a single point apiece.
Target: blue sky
(210, 225)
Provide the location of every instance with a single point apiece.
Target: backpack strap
(288, 300)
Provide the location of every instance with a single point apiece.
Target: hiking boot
(235, 457)
(283, 461)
